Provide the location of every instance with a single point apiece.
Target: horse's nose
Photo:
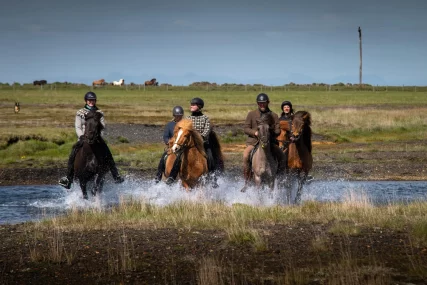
(175, 147)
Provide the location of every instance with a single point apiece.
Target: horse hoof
(243, 190)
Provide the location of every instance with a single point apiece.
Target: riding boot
(247, 174)
(175, 170)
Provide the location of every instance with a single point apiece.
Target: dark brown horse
(188, 143)
(87, 165)
(152, 82)
(295, 140)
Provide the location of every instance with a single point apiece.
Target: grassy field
(44, 129)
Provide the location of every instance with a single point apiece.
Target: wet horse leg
(83, 186)
(302, 177)
(99, 184)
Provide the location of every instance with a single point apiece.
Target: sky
(271, 42)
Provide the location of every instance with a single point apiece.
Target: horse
(121, 82)
(264, 164)
(17, 107)
(87, 165)
(39, 82)
(187, 143)
(298, 148)
(99, 82)
(152, 82)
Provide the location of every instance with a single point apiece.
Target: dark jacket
(250, 126)
(168, 133)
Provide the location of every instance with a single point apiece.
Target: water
(30, 203)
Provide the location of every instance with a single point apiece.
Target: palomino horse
(99, 82)
(17, 107)
(152, 82)
(121, 82)
(87, 165)
(298, 149)
(264, 164)
(187, 143)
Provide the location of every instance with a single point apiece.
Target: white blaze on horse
(121, 82)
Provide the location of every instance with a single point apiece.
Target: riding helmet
(262, 97)
(178, 111)
(198, 101)
(90, 96)
(287, 103)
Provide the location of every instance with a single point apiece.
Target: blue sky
(179, 42)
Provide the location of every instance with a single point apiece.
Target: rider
(251, 129)
(90, 99)
(202, 124)
(287, 115)
(178, 113)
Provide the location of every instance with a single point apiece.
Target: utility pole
(360, 52)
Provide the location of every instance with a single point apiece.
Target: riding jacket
(168, 132)
(80, 119)
(201, 123)
(251, 126)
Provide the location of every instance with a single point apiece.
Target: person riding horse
(90, 99)
(250, 129)
(287, 115)
(178, 113)
(202, 124)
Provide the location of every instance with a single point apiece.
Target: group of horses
(187, 145)
(102, 82)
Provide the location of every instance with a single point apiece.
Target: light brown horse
(152, 82)
(99, 82)
(188, 143)
(264, 164)
(295, 141)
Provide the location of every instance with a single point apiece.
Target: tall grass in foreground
(241, 221)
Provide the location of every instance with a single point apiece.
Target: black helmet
(178, 111)
(198, 101)
(262, 97)
(287, 103)
(90, 96)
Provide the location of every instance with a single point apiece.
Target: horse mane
(306, 117)
(187, 124)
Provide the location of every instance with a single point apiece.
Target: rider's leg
(160, 168)
(111, 163)
(246, 167)
(211, 165)
(175, 169)
(67, 180)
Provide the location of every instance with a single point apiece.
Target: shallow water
(30, 203)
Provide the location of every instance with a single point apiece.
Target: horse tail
(216, 151)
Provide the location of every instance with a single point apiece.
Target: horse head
(93, 127)
(300, 122)
(264, 131)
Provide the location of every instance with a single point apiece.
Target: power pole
(360, 51)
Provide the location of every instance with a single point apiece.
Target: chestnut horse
(99, 82)
(264, 164)
(152, 82)
(87, 165)
(187, 143)
(295, 140)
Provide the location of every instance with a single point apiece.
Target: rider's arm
(276, 126)
(79, 126)
(247, 127)
(206, 129)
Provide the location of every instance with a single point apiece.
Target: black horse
(89, 163)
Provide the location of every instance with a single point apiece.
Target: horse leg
(301, 180)
(83, 186)
(99, 183)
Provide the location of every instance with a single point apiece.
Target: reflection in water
(28, 203)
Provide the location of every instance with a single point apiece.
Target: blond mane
(187, 125)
